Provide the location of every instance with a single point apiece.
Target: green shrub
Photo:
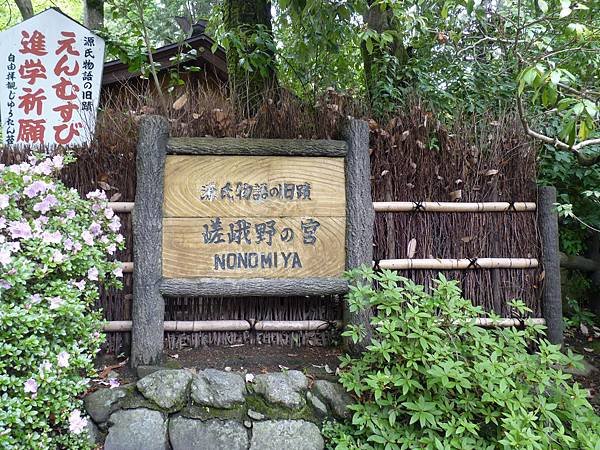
(54, 248)
(431, 378)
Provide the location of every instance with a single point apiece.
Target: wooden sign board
(233, 217)
(254, 216)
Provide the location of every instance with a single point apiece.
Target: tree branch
(582, 159)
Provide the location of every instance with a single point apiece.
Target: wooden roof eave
(116, 71)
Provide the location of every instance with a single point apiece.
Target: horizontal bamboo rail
(297, 325)
(506, 322)
(121, 207)
(438, 264)
(186, 326)
(231, 325)
(453, 206)
(127, 207)
(458, 264)
(289, 325)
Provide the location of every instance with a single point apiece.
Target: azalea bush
(432, 379)
(55, 247)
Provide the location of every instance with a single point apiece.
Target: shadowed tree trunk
(246, 18)
(382, 62)
(93, 14)
(25, 7)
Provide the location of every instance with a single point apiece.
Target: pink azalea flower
(36, 188)
(70, 214)
(87, 237)
(3, 201)
(77, 423)
(2, 222)
(31, 386)
(46, 366)
(68, 244)
(113, 383)
(58, 257)
(51, 238)
(80, 285)
(119, 238)
(5, 257)
(45, 205)
(95, 228)
(97, 194)
(115, 224)
(35, 298)
(55, 302)
(118, 272)
(93, 274)
(57, 162)
(5, 284)
(111, 249)
(77, 246)
(109, 213)
(63, 359)
(45, 167)
(19, 230)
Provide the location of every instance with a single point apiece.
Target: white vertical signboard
(50, 78)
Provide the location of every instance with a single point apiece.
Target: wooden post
(148, 311)
(360, 215)
(551, 296)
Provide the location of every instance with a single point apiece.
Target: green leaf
(444, 12)
(578, 108)
(565, 12)
(583, 131)
(529, 75)
(549, 96)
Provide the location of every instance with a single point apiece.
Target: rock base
(179, 409)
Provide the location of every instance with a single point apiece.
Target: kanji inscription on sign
(50, 75)
(254, 217)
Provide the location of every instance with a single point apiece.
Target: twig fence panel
(412, 157)
(393, 264)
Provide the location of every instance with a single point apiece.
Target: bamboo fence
(483, 169)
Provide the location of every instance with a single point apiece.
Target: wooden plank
(185, 177)
(255, 287)
(454, 207)
(259, 147)
(186, 255)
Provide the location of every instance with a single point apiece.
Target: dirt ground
(589, 347)
(319, 362)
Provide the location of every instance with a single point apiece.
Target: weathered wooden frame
(149, 286)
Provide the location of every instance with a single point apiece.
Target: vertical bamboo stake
(148, 309)
(551, 296)
(360, 215)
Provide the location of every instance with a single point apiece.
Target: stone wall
(182, 409)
